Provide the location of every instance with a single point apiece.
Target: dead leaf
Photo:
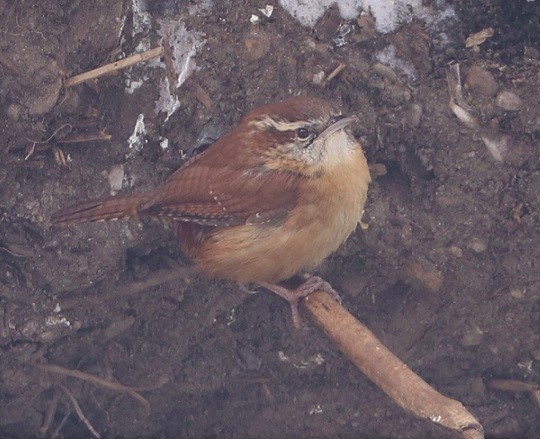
(479, 37)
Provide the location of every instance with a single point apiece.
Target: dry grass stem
(203, 97)
(113, 67)
(104, 137)
(335, 72)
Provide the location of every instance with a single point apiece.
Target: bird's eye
(302, 133)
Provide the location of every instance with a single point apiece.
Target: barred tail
(101, 210)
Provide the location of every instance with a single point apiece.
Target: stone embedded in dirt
(431, 279)
(318, 78)
(478, 245)
(508, 101)
(413, 115)
(115, 177)
(473, 336)
(456, 251)
(257, 45)
(479, 80)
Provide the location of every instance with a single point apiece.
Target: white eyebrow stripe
(282, 125)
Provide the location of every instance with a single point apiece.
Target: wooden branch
(112, 67)
(382, 367)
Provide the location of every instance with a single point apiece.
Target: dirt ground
(446, 273)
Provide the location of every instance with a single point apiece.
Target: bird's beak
(338, 123)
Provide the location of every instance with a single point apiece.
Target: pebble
(478, 245)
(431, 279)
(508, 101)
(481, 81)
(518, 293)
(414, 115)
(318, 78)
(14, 111)
(455, 251)
(115, 177)
(473, 337)
(257, 45)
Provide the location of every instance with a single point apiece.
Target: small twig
(512, 385)
(169, 65)
(49, 414)
(113, 67)
(382, 367)
(79, 411)
(18, 251)
(516, 386)
(61, 127)
(203, 97)
(105, 137)
(56, 431)
(59, 156)
(36, 142)
(335, 72)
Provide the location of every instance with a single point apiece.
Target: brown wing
(225, 185)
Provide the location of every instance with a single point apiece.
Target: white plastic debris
(184, 45)
(267, 11)
(136, 140)
(164, 144)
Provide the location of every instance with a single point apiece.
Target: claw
(314, 283)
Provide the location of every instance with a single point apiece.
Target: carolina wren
(273, 197)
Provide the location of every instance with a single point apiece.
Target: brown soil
(446, 275)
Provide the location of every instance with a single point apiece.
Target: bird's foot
(314, 283)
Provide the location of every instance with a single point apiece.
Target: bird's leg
(293, 296)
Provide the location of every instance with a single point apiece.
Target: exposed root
(117, 387)
(79, 412)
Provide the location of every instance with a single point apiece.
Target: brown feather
(101, 210)
(226, 185)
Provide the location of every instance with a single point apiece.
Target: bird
(270, 199)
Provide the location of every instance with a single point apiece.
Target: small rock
(413, 115)
(257, 45)
(385, 72)
(116, 177)
(508, 101)
(14, 111)
(432, 280)
(481, 81)
(456, 251)
(473, 337)
(318, 78)
(518, 293)
(478, 245)
(45, 98)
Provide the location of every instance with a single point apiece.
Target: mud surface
(446, 274)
